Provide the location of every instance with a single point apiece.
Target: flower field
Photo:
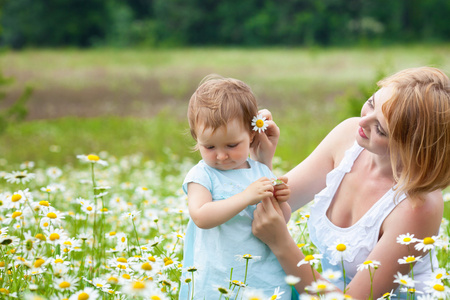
(113, 228)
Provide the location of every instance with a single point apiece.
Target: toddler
(223, 190)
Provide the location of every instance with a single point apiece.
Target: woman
(379, 176)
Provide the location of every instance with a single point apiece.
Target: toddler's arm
(208, 214)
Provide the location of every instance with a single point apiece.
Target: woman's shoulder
(341, 138)
(423, 216)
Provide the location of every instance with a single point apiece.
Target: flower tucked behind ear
(259, 123)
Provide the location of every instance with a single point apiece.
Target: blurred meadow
(94, 140)
(135, 100)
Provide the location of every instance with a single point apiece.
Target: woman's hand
(265, 143)
(269, 224)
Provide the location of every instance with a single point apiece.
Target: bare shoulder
(341, 138)
(423, 218)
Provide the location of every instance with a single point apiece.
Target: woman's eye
(377, 128)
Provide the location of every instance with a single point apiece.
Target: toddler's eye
(232, 145)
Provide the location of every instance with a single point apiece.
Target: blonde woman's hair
(219, 100)
(418, 121)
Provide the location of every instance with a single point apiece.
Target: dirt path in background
(145, 99)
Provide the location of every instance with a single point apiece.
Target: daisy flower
(276, 294)
(387, 295)
(92, 158)
(310, 259)
(140, 288)
(101, 284)
(253, 294)
(404, 280)
(332, 275)
(338, 252)
(27, 165)
(66, 283)
(437, 289)
(55, 235)
(19, 176)
(320, 286)
(292, 280)
(259, 123)
(223, 291)
(246, 257)
(428, 243)
(53, 172)
(440, 274)
(368, 264)
(409, 259)
(406, 239)
(53, 216)
(87, 293)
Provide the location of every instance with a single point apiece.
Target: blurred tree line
(86, 23)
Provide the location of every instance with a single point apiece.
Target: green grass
(307, 89)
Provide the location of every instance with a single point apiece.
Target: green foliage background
(80, 23)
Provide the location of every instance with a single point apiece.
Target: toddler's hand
(259, 190)
(282, 191)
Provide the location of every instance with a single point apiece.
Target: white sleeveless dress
(361, 237)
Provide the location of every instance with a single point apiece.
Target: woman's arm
(309, 177)
(208, 214)
(269, 226)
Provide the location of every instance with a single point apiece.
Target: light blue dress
(361, 237)
(213, 251)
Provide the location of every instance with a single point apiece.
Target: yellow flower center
(45, 224)
(64, 285)
(83, 296)
(367, 262)
(259, 123)
(99, 285)
(44, 203)
(146, 266)
(2, 264)
(438, 287)
(321, 286)
(16, 197)
(89, 208)
(16, 214)
(112, 233)
(341, 247)
(93, 157)
(301, 245)
(309, 257)
(144, 189)
(428, 241)
(123, 239)
(438, 276)
(154, 297)
(138, 285)
(4, 291)
(273, 297)
(168, 262)
(40, 236)
(152, 259)
(52, 215)
(407, 239)
(54, 236)
(39, 262)
(68, 243)
(58, 261)
(113, 279)
(122, 259)
(403, 281)
(410, 259)
(126, 276)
